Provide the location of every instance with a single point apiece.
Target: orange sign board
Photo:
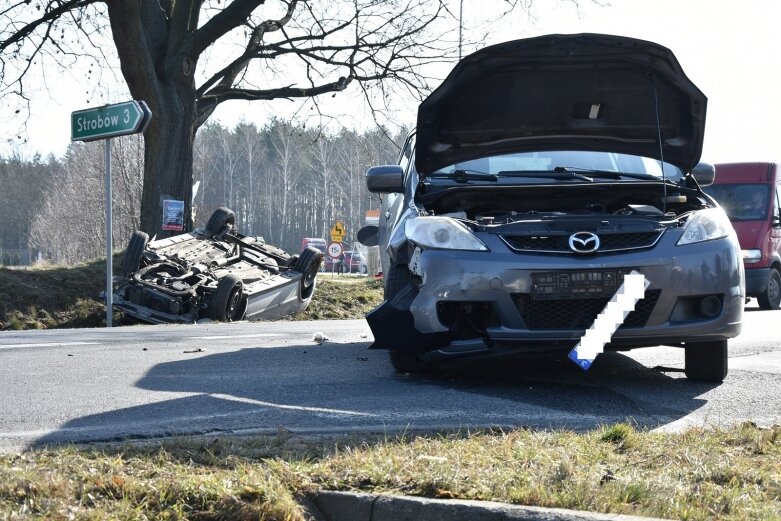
(338, 232)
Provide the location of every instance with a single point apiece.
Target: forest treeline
(284, 181)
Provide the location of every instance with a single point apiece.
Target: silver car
(541, 173)
(213, 273)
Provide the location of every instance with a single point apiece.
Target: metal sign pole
(109, 238)
(119, 119)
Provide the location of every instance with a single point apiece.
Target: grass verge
(730, 474)
(50, 297)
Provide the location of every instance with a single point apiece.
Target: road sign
(338, 232)
(120, 119)
(104, 123)
(334, 250)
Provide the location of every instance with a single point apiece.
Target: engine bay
(579, 206)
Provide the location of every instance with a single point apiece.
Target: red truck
(750, 193)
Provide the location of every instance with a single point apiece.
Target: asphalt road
(151, 381)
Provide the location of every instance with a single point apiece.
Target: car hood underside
(563, 92)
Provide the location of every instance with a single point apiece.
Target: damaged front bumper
(466, 303)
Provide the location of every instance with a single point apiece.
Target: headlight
(441, 232)
(705, 225)
(751, 256)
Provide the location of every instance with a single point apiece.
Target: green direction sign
(110, 121)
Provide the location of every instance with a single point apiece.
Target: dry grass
(701, 474)
(343, 297)
(46, 297)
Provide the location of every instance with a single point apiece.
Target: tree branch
(49, 16)
(210, 101)
(229, 18)
(226, 76)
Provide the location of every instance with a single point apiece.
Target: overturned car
(542, 173)
(213, 273)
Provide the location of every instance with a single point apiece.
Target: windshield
(742, 202)
(566, 160)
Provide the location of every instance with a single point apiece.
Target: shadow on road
(345, 386)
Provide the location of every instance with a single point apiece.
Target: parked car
(315, 242)
(354, 262)
(214, 272)
(534, 183)
(750, 193)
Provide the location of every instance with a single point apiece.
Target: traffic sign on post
(338, 232)
(120, 119)
(106, 122)
(334, 250)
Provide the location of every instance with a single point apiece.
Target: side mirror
(388, 179)
(704, 174)
(369, 235)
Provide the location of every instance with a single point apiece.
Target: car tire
(308, 264)
(228, 303)
(771, 297)
(405, 362)
(706, 361)
(363, 270)
(398, 278)
(135, 252)
(345, 269)
(221, 218)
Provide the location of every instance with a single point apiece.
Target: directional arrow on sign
(108, 121)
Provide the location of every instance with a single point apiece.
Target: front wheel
(398, 278)
(706, 361)
(771, 297)
(404, 362)
(135, 252)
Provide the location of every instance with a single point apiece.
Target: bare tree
(70, 224)
(260, 50)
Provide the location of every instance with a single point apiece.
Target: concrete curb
(348, 506)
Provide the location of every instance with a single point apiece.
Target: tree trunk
(159, 73)
(168, 158)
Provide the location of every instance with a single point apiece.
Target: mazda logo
(584, 242)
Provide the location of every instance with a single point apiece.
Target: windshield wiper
(560, 175)
(604, 173)
(462, 176)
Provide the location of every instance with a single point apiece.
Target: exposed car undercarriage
(215, 273)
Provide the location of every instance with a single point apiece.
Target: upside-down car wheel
(135, 251)
(221, 218)
(308, 264)
(228, 302)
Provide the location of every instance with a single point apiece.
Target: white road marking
(130, 425)
(49, 344)
(227, 337)
(288, 407)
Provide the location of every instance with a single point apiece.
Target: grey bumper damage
(487, 302)
(393, 326)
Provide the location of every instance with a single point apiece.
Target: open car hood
(563, 92)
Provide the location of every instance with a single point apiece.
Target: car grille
(609, 242)
(578, 313)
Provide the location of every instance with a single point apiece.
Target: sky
(729, 49)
